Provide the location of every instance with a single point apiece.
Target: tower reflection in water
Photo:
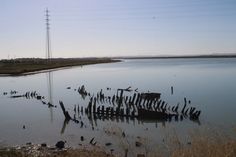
(49, 77)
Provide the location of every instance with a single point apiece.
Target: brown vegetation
(201, 143)
(198, 146)
(207, 147)
(25, 65)
(84, 153)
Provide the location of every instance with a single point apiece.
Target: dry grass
(206, 143)
(207, 147)
(82, 153)
(202, 142)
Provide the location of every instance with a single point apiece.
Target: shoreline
(177, 57)
(204, 142)
(30, 66)
(23, 66)
(43, 150)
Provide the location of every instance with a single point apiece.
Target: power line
(48, 42)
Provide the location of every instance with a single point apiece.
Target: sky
(107, 28)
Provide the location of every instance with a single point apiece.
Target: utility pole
(48, 42)
(48, 57)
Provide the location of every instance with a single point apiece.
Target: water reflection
(66, 122)
(49, 76)
(127, 105)
(116, 105)
(214, 97)
(36, 95)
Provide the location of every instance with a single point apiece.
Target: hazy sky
(82, 28)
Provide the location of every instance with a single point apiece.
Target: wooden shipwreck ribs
(66, 113)
(143, 106)
(32, 95)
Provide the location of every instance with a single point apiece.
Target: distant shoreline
(27, 66)
(176, 57)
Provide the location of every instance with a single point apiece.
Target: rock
(123, 134)
(82, 138)
(43, 145)
(140, 155)
(60, 144)
(51, 148)
(108, 144)
(28, 143)
(18, 148)
(138, 144)
(112, 150)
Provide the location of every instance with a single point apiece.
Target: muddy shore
(45, 151)
(207, 145)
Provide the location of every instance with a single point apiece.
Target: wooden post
(134, 96)
(137, 100)
(66, 114)
(94, 105)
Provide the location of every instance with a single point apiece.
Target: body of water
(209, 84)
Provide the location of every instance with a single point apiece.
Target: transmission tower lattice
(48, 42)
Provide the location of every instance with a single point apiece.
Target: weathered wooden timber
(128, 89)
(148, 114)
(150, 96)
(32, 95)
(66, 113)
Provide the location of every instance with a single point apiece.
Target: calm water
(208, 83)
